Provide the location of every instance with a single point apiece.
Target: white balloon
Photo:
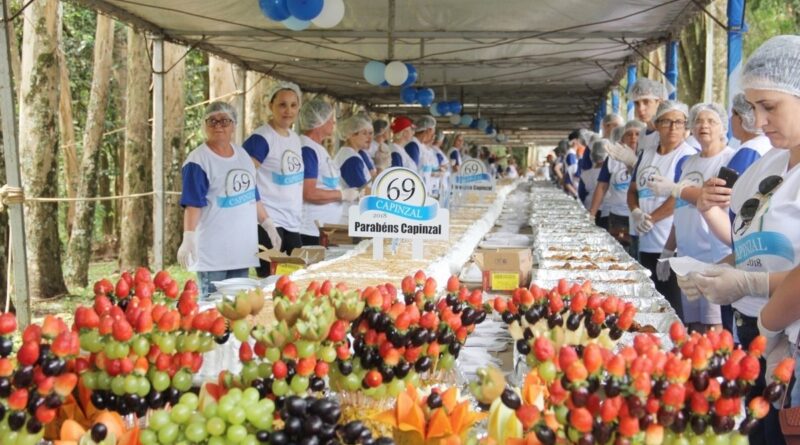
(332, 13)
(396, 73)
(455, 119)
(296, 24)
(433, 110)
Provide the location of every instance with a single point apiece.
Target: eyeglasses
(213, 123)
(666, 123)
(750, 208)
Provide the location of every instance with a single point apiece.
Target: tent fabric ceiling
(541, 65)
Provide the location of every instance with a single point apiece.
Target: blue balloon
(275, 9)
(425, 96)
(466, 120)
(384, 84)
(373, 72)
(305, 9)
(296, 24)
(443, 108)
(474, 123)
(489, 129)
(412, 75)
(482, 124)
(408, 95)
(455, 107)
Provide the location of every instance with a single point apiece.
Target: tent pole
(16, 221)
(631, 81)
(158, 151)
(239, 77)
(736, 26)
(672, 69)
(615, 101)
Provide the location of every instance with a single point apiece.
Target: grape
(143, 387)
(547, 370)
(259, 417)
(215, 426)
(118, 385)
(216, 441)
(236, 433)
(141, 346)
(273, 354)
(182, 381)
(280, 388)
(210, 410)
(241, 330)
(237, 416)
(697, 440)
(327, 354)
(148, 437)
(446, 362)
(167, 344)
(264, 370)
(103, 380)
(160, 381)
(168, 434)
(196, 432)
(206, 344)
(250, 440)
(131, 384)
(235, 394)
(396, 386)
(304, 348)
(352, 382)
(191, 343)
(225, 406)
(738, 439)
(189, 399)
(299, 384)
(250, 396)
(89, 380)
(180, 413)
(249, 372)
(267, 405)
(159, 419)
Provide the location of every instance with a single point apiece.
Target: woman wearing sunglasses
(220, 203)
(651, 214)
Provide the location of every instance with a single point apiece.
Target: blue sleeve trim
(258, 195)
(636, 169)
(353, 172)
(365, 157)
(605, 175)
(439, 157)
(195, 186)
(744, 158)
(679, 168)
(582, 192)
(397, 160)
(311, 163)
(571, 159)
(257, 147)
(413, 152)
(586, 160)
(454, 156)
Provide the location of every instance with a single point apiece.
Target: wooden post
(239, 79)
(158, 151)
(22, 301)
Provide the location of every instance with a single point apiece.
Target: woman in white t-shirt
(403, 129)
(589, 182)
(690, 235)
(221, 202)
(379, 148)
(322, 195)
(276, 151)
(356, 133)
(652, 214)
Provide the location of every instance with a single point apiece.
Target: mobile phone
(729, 175)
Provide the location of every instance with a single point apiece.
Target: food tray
(642, 289)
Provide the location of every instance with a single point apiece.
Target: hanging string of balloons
(298, 15)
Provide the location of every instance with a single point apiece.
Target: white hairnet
(645, 88)
(715, 109)
(742, 107)
(774, 66)
(221, 107)
(352, 125)
(593, 137)
(599, 151)
(424, 123)
(281, 86)
(616, 134)
(313, 114)
(612, 117)
(439, 136)
(379, 126)
(634, 125)
(671, 105)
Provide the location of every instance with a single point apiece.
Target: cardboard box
(504, 269)
(334, 234)
(282, 264)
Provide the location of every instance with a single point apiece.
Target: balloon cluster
(298, 15)
(422, 96)
(447, 108)
(395, 73)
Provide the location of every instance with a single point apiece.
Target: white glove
(764, 331)
(350, 194)
(642, 221)
(723, 284)
(689, 287)
(622, 154)
(662, 267)
(663, 187)
(187, 252)
(272, 233)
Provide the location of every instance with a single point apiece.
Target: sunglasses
(750, 208)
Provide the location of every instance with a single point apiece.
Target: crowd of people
(670, 184)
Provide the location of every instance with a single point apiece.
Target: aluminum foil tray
(644, 289)
(591, 274)
(629, 264)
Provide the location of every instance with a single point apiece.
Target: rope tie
(10, 195)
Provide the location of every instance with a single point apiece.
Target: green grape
(210, 410)
(299, 384)
(352, 382)
(167, 344)
(131, 384)
(327, 354)
(190, 399)
(259, 417)
(267, 405)
(235, 394)
(250, 440)
(103, 380)
(196, 432)
(215, 426)
(141, 346)
(30, 439)
(681, 440)
(719, 439)
(180, 342)
(142, 386)
(89, 380)
(192, 343)
(236, 434)
(446, 362)
(168, 434)
(304, 348)
(547, 371)
(118, 385)
(122, 350)
(241, 330)
(148, 437)
(159, 419)
(160, 381)
(216, 441)
(206, 343)
(250, 396)
(396, 386)
(10, 437)
(225, 406)
(280, 388)
(264, 370)
(273, 355)
(249, 372)
(182, 380)
(180, 413)
(697, 440)
(738, 439)
(237, 416)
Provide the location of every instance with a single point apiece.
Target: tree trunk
(38, 131)
(719, 87)
(691, 61)
(66, 129)
(136, 212)
(79, 249)
(174, 153)
(224, 80)
(116, 153)
(256, 106)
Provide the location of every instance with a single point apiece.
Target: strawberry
(338, 331)
(598, 316)
(171, 290)
(727, 406)
(45, 414)
(731, 369)
(592, 358)
(419, 278)
(144, 289)
(581, 419)
(321, 369)
(86, 318)
(677, 333)
(65, 383)
(102, 304)
(783, 372)
(563, 287)
(429, 320)
(528, 415)
(699, 404)
(749, 368)
(642, 384)
(8, 323)
(144, 323)
(103, 287)
(556, 303)
(218, 327)
(594, 302)
(6, 367)
(169, 322)
(500, 305)
(305, 366)
(543, 349)
(125, 365)
(576, 372)
(407, 286)
(566, 355)
(625, 320)
(245, 353)
(628, 426)
(161, 279)
(429, 289)
(557, 393)
(187, 304)
(290, 351)
(28, 353)
(674, 395)
(475, 298)
(610, 409)
(122, 331)
(578, 302)
(610, 305)
(412, 354)
(123, 288)
(66, 344)
(616, 366)
(18, 399)
(758, 407)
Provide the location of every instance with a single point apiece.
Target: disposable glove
(187, 252)
(663, 187)
(622, 154)
(662, 267)
(689, 287)
(723, 284)
(272, 233)
(350, 194)
(764, 331)
(642, 221)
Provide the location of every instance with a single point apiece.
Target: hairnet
(593, 137)
(613, 117)
(424, 123)
(774, 66)
(671, 105)
(616, 134)
(313, 114)
(599, 151)
(379, 126)
(742, 107)
(439, 136)
(582, 135)
(280, 86)
(634, 125)
(562, 147)
(221, 107)
(645, 88)
(352, 125)
(716, 109)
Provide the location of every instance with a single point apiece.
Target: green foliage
(768, 18)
